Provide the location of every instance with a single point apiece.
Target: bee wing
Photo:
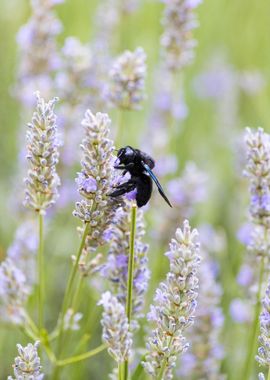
(154, 178)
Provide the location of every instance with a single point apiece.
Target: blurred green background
(240, 31)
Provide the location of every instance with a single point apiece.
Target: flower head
(179, 21)
(94, 181)
(42, 145)
(258, 172)
(115, 328)
(127, 80)
(27, 364)
(174, 305)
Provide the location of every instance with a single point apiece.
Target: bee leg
(125, 187)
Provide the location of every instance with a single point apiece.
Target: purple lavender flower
(174, 305)
(240, 311)
(94, 183)
(258, 173)
(42, 180)
(27, 364)
(263, 356)
(38, 56)
(127, 80)
(115, 328)
(178, 21)
(188, 189)
(206, 352)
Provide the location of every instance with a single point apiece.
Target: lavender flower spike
(115, 328)
(263, 356)
(178, 21)
(42, 144)
(94, 183)
(27, 364)
(127, 80)
(174, 305)
(258, 172)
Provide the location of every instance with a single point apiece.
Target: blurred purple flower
(244, 233)
(245, 276)
(240, 311)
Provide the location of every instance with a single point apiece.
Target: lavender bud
(127, 80)
(71, 320)
(27, 364)
(42, 145)
(179, 21)
(174, 305)
(115, 328)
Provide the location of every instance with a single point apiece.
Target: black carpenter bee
(139, 165)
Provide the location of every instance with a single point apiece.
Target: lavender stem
(84, 356)
(130, 273)
(65, 304)
(255, 328)
(40, 274)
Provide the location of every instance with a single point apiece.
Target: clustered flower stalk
(263, 356)
(178, 22)
(258, 173)
(174, 305)
(38, 55)
(116, 267)
(27, 364)
(96, 210)
(127, 84)
(41, 184)
(127, 77)
(115, 325)
(203, 360)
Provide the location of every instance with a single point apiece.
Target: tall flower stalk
(258, 173)
(263, 356)
(96, 209)
(131, 262)
(178, 21)
(41, 184)
(174, 305)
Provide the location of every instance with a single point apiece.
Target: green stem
(130, 274)
(268, 376)
(67, 296)
(40, 274)
(119, 371)
(255, 328)
(85, 355)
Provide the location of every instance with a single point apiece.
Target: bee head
(126, 155)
